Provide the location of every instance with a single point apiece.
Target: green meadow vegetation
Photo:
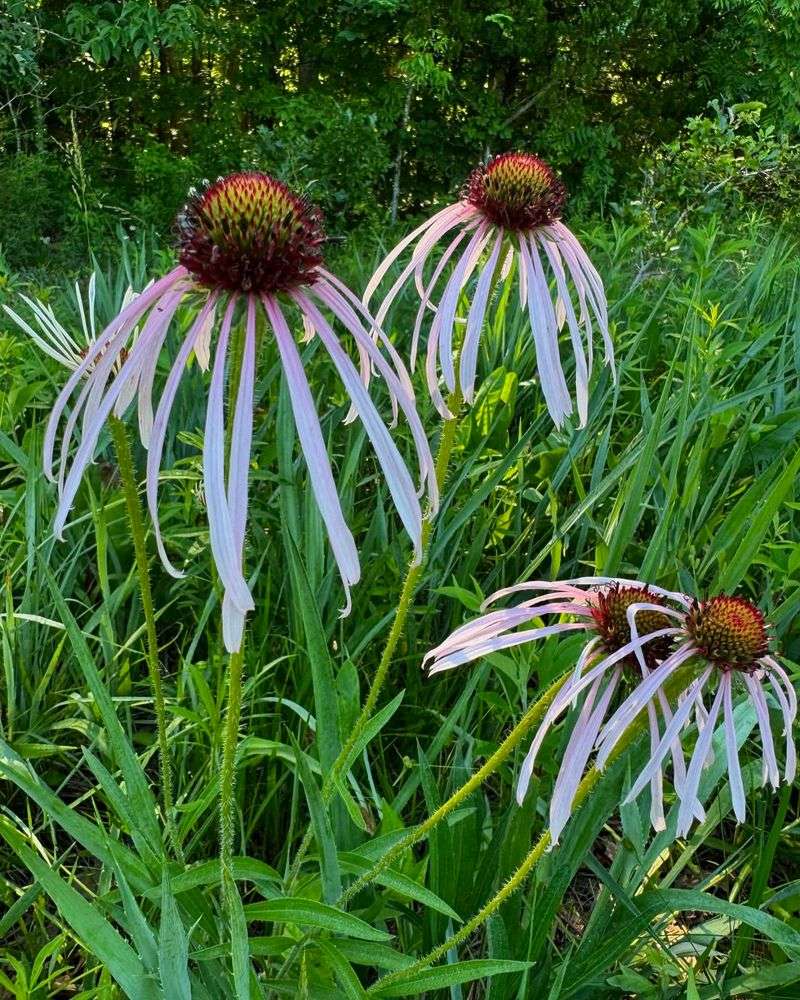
(685, 476)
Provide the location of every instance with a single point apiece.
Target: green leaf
(341, 968)
(329, 863)
(137, 789)
(355, 864)
(451, 975)
(97, 935)
(310, 913)
(173, 947)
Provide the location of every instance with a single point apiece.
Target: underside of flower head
(509, 214)
(253, 246)
(250, 233)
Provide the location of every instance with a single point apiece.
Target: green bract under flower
(729, 632)
(250, 233)
(517, 191)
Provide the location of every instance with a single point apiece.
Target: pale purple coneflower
(249, 246)
(602, 608)
(728, 636)
(509, 211)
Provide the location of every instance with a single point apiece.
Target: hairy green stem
(509, 744)
(134, 506)
(534, 715)
(227, 777)
(517, 879)
(413, 574)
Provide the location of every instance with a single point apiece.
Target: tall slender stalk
(417, 833)
(517, 879)
(134, 506)
(227, 777)
(413, 574)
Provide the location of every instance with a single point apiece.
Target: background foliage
(675, 125)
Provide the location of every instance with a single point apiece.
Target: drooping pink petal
(469, 352)
(732, 751)
(543, 328)
(220, 524)
(398, 479)
(592, 281)
(690, 805)
(581, 368)
(313, 446)
(205, 318)
(671, 733)
(493, 624)
(637, 700)
(399, 387)
(445, 318)
(450, 211)
(577, 753)
(788, 720)
(762, 715)
(427, 292)
(92, 430)
(110, 342)
(238, 474)
(493, 645)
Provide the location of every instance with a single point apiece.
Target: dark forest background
(109, 111)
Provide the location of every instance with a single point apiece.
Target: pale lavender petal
(732, 752)
(450, 211)
(791, 694)
(671, 733)
(445, 318)
(548, 362)
(110, 342)
(398, 479)
(238, 474)
(657, 818)
(634, 704)
(399, 387)
(592, 280)
(480, 649)
(220, 524)
(161, 419)
(493, 624)
(56, 351)
(92, 431)
(469, 352)
(690, 805)
(762, 714)
(788, 720)
(312, 444)
(577, 753)
(427, 292)
(581, 369)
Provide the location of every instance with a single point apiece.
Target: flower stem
(517, 879)
(530, 719)
(413, 574)
(227, 778)
(129, 487)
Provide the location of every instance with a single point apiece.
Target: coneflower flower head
(619, 651)
(247, 245)
(728, 637)
(517, 191)
(509, 210)
(250, 233)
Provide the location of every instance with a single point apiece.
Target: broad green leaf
(443, 976)
(173, 947)
(309, 913)
(96, 934)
